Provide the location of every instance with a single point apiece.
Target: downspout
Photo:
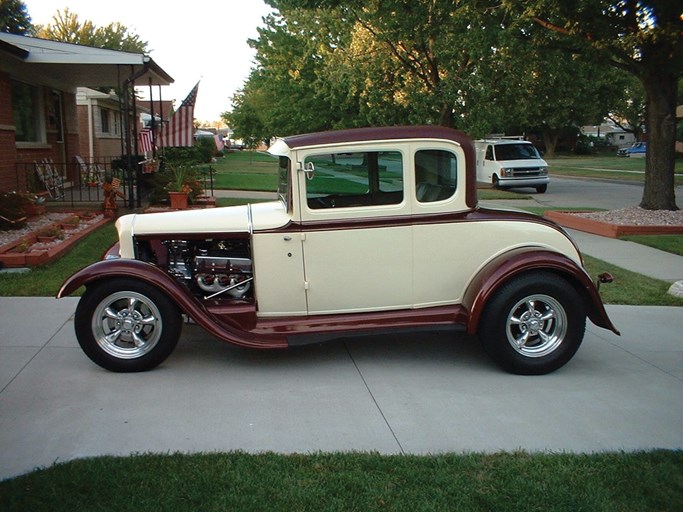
(129, 157)
(91, 132)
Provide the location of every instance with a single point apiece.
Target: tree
(550, 90)
(285, 93)
(644, 38)
(14, 18)
(67, 28)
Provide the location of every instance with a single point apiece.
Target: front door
(357, 237)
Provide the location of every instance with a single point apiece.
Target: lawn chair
(51, 179)
(91, 175)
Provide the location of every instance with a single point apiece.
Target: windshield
(283, 180)
(516, 152)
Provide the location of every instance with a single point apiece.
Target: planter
(179, 200)
(35, 258)
(46, 239)
(569, 219)
(33, 210)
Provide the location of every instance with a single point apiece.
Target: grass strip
(667, 243)
(46, 280)
(355, 482)
(630, 288)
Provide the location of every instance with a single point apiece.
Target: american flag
(145, 140)
(180, 130)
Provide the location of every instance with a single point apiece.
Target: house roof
(72, 65)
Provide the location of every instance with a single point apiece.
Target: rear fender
(230, 331)
(527, 259)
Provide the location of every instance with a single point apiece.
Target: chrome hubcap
(126, 325)
(536, 326)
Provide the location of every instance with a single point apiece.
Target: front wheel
(534, 324)
(127, 325)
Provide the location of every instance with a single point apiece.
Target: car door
(356, 229)
(446, 246)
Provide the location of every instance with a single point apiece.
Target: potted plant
(50, 234)
(71, 223)
(179, 187)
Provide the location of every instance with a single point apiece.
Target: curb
(569, 219)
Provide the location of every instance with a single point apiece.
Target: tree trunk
(550, 137)
(660, 121)
(446, 116)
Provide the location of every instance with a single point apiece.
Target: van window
(516, 152)
(489, 152)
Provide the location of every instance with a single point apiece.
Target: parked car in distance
(376, 230)
(635, 149)
(510, 163)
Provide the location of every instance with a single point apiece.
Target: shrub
(12, 210)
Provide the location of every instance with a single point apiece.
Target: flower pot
(33, 210)
(179, 200)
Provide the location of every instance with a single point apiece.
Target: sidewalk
(631, 256)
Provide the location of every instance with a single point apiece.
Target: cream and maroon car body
(375, 230)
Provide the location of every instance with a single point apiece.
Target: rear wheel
(534, 324)
(127, 325)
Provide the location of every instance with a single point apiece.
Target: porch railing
(82, 182)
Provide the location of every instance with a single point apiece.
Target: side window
(435, 175)
(27, 113)
(489, 153)
(344, 180)
(104, 116)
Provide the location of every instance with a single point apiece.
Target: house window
(26, 103)
(104, 117)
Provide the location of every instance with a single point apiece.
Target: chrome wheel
(126, 325)
(536, 326)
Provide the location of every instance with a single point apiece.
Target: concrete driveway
(393, 394)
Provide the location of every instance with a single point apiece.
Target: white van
(508, 163)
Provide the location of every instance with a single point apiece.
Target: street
(575, 193)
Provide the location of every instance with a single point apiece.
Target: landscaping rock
(677, 289)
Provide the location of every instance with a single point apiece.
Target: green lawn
(668, 243)
(237, 481)
(246, 170)
(605, 167)
(46, 280)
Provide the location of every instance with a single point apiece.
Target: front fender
(525, 259)
(189, 304)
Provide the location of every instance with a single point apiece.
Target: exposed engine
(210, 268)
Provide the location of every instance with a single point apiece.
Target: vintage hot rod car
(375, 230)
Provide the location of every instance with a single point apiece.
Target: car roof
(388, 133)
(377, 133)
(498, 142)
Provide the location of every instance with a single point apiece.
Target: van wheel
(534, 324)
(541, 189)
(127, 325)
(495, 182)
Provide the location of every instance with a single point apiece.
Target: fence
(80, 182)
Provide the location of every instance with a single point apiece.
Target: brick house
(38, 105)
(101, 123)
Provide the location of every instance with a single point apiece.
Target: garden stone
(676, 289)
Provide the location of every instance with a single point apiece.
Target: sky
(194, 41)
